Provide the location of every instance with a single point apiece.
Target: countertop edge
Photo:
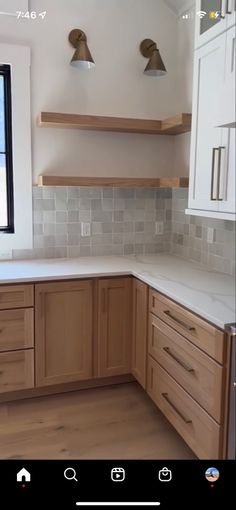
(108, 274)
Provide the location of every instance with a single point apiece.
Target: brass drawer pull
(185, 326)
(179, 361)
(165, 396)
(214, 151)
(219, 172)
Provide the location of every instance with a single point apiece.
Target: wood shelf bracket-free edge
(175, 125)
(123, 182)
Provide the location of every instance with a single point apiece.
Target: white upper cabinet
(226, 114)
(212, 18)
(206, 139)
(212, 159)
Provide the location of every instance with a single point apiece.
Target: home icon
(23, 476)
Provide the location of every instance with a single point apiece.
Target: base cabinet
(114, 326)
(16, 370)
(87, 330)
(63, 342)
(194, 425)
(139, 340)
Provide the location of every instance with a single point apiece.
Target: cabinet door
(63, 332)
(206, 138)
(139, 343)
(231, 12)
(114, 326)
(211, 19)
(16, 370)
(227, 176)
(226, 116)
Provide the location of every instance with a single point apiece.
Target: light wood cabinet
(16, 329)
(63, 328)
(16, 296)
(198, 331)
(199, 375)
(16, 370)
(114, 321)
(139, 341)
(197, 428)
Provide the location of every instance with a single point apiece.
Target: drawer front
(16, 329)
(196, 427)
(199, 374)
(201, 333)
(16, 296)
(16, 370)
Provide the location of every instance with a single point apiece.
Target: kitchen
(117, 229)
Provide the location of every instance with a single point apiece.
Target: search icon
(70, 474)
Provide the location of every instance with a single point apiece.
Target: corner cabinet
(63, 332)
(114, 319)
(212, 160)
(209, 26)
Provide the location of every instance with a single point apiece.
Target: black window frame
(5, 71)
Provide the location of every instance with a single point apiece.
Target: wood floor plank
(104, 423)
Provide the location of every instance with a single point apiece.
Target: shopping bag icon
(165, 475)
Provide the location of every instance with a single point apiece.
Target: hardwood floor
(104, 423)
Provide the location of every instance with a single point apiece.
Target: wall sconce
(155, 66)
(82, 57)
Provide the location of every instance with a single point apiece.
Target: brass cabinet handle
(186, 420)
(219, 172)
(214, 150)
(179, 361)
(179, 321)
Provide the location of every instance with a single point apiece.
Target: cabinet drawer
(195, 426)
(16, 370)
(201, 333)
(199, 374)
(16, 296)
(16, 329)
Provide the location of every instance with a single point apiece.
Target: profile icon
(212, 474)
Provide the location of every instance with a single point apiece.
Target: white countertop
(207, 293)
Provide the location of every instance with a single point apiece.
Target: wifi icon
(201, 14)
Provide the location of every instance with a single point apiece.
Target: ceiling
(179, 6)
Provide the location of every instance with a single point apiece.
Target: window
(6, 175)
(16, 176)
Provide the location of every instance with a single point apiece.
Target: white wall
(117, 86)
(185, 38)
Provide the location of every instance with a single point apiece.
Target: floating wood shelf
(123, 182)
(172, 126)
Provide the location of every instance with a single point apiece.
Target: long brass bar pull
(214, 151)
(186, 420)
(179, 321)
(219, 173)
(179, 361)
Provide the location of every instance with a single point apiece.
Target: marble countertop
(207, 293)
